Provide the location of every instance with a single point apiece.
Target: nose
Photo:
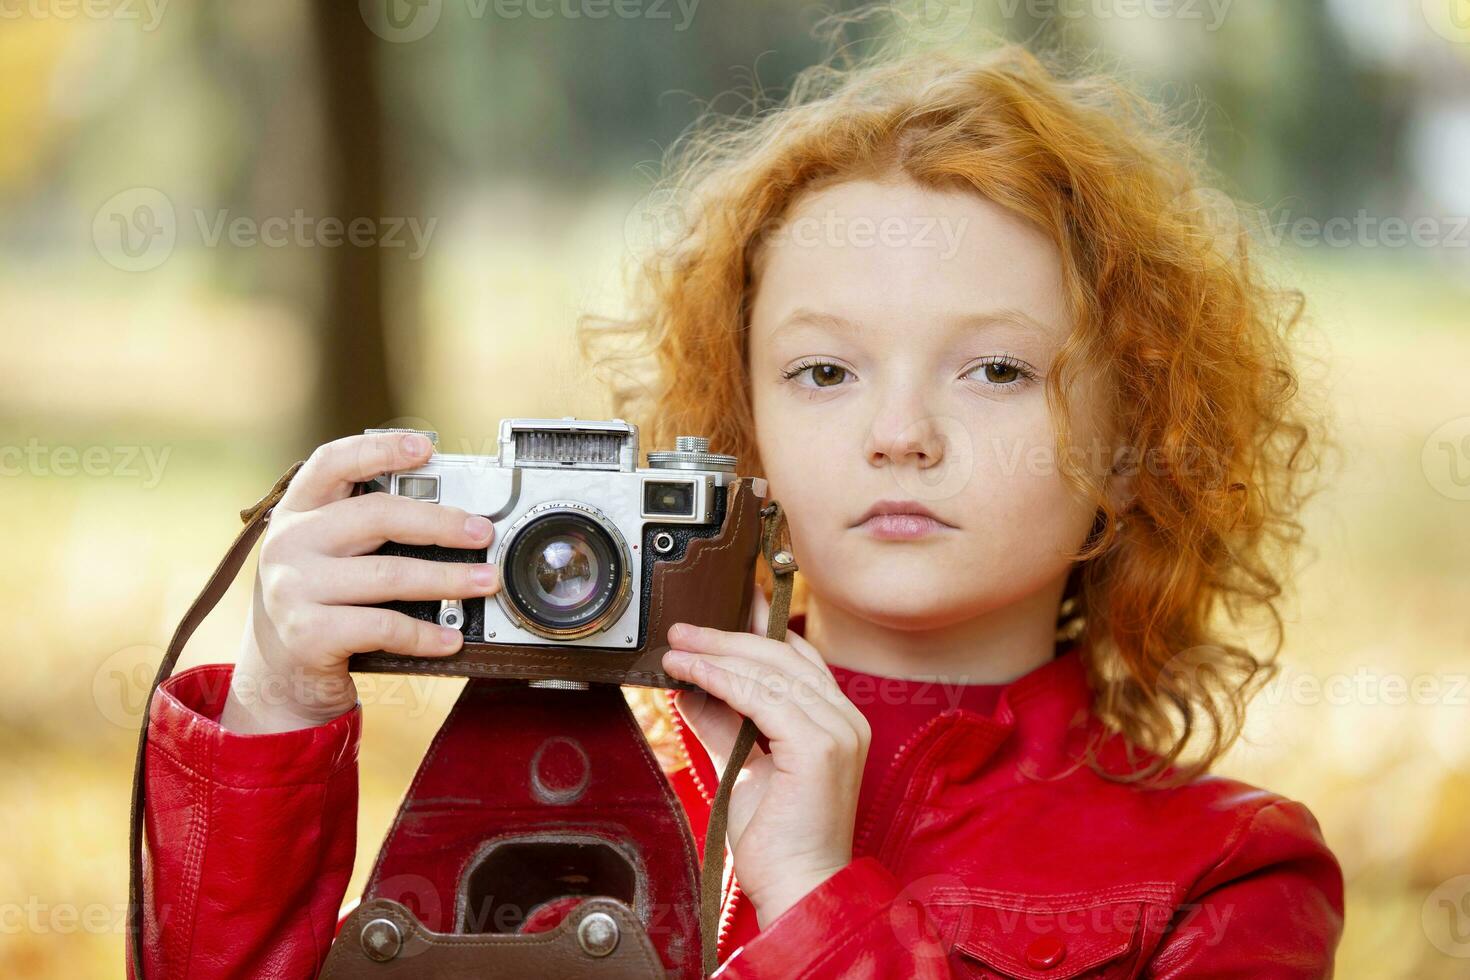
(904, 433)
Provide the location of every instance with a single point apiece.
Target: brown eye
(827, 375)
(1001, 373)
(824, 373)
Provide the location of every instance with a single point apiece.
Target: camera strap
(783, 566)
(255, 517)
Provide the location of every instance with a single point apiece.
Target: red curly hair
(1166, 298)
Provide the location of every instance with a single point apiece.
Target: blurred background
(230, 231)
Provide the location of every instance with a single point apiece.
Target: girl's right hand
(317, 577)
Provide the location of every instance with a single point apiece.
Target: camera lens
(563, 571)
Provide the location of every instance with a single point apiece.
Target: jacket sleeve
(249, 838)
(1272, 907)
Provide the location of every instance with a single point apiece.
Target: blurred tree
(353, 389)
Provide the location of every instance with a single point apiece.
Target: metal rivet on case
(782, 558)
(381, 940)
(598, 934)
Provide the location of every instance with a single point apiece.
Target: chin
(912, 613)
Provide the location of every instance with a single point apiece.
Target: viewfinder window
(419, 487)
(663, 498)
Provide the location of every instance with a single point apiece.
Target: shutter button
(1045, 952)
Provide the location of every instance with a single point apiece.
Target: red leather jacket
(983, 850)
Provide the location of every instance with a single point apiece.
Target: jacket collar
(1040, 726)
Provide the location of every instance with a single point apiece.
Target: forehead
(898, 253)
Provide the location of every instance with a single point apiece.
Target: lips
(899, 508)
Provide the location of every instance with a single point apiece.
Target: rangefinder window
(668, 498)
(418, 487)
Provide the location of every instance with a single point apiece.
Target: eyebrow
(1007, 316)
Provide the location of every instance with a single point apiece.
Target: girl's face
(900, 337)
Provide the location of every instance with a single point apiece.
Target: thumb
(713, 722)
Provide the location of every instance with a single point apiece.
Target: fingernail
(415, 445)
(449, 638)
(477, 527)
(484, 575)
(676, 658)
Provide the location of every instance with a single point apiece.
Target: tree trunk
(353, 389)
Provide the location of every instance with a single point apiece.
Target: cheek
(1016, 491)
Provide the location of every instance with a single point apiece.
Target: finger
(333, 468)
(809, 692)
(778, 718)
(778, 653)
(363, 629)
(380, 578)
(786, 657)
(713, 722)
(361, 525)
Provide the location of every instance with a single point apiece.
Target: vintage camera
(597, 555)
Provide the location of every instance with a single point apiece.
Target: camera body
(584, 539)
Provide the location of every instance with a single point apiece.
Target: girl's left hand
(792, 809)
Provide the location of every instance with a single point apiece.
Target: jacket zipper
(897, 774)
(727, 913)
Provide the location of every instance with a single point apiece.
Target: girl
(1032, 420)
